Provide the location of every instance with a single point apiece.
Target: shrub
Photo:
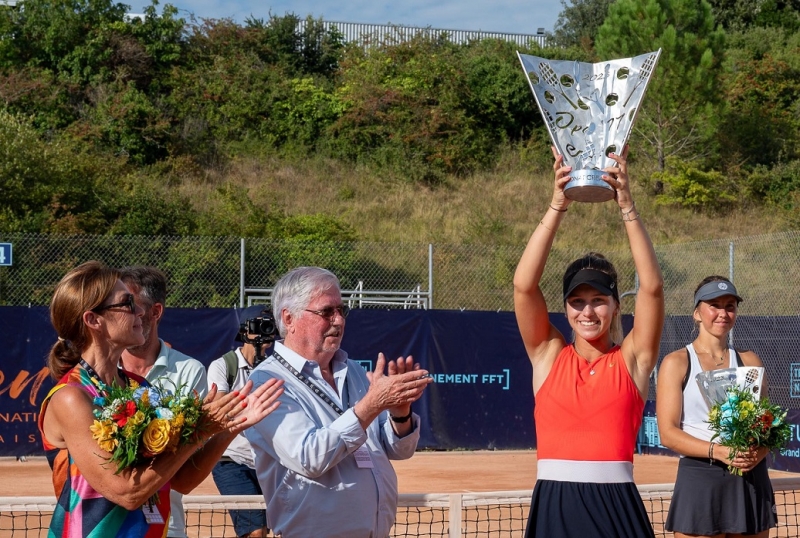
(693, 188)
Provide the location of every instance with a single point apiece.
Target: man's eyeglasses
(129, 302)
(330, 312)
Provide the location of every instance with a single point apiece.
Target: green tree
(761, 124)
(683, 97)
(300, 46)
(579, 21)
(51, 185)
(744, 14)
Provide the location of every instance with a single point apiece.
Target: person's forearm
(643, 253)
(133, 487)
(366, 411)
(531, 265)
(200, 464)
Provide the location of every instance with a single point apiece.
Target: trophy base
(588, 186)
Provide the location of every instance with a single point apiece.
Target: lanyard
(315, 389)
(96, 378)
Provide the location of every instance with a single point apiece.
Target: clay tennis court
(454, 472)
(426, 472)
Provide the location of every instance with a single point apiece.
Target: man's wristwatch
(401, 420)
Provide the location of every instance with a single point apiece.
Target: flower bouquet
(136, 423)
(740, 418)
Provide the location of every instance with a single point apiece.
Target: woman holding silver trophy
(708, 499)
(590, 393)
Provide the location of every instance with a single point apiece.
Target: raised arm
(542, 340)
(640, 347)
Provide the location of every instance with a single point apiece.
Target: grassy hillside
(501, 206)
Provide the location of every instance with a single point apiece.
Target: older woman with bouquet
(589, 393)
(718, 491)
(106, 484)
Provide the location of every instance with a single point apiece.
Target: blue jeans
(234, 478)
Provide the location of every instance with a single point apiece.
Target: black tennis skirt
(709, 500)
(587, 510)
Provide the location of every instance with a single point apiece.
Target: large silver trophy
(589, 110)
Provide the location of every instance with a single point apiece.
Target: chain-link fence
(225, 271)
(219, 271)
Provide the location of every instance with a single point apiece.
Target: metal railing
(367, 34)
(359, 297)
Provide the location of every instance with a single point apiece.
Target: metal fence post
(430, 276)
(241, 272)
(730, 277)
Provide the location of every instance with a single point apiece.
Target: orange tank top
(588, 411)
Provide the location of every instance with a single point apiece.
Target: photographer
(235, 474)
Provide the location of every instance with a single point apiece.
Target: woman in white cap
(590, 394)
(708, 499)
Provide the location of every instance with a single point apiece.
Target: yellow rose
(103, 432)
(156, 436)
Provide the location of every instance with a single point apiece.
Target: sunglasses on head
(330, 312)
(128, 302)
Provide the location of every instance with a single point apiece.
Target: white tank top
(695, 409)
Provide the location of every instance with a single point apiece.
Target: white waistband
(585, 471)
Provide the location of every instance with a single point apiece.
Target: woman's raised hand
(617, 178)
(258, 404)
(560, 200)
(240, 409)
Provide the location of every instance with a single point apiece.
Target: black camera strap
(315, 389)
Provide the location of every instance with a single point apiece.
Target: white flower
(164, 413)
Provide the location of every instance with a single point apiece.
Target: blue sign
(5, 254)
(794, 380)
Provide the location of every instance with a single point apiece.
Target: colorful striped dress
(82, 512)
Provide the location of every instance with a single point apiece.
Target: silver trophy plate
(589, 110)
(714, 384)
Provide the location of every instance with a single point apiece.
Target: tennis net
(500, 514)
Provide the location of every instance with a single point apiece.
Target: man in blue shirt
(322, 457)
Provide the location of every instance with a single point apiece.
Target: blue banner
(481, 397)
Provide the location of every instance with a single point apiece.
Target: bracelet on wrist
(401, 420)
(711, 453)
(556, 209)
(631, 214)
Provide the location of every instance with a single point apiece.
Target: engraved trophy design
(714, 384)
(589, 110)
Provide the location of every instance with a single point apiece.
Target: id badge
(363, 459)
(152, 515)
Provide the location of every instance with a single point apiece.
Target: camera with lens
(258, 331)
(263, 326)
(261, 329)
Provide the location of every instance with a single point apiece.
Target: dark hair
(151, 281)
(82, 289)
(592, 260)
(598, 262)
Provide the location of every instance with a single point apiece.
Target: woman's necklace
(717, 361)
